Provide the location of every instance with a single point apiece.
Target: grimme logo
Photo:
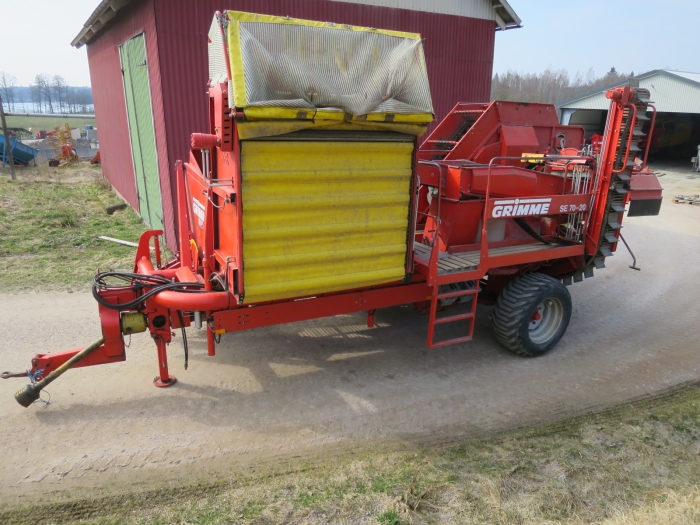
(521, 207)
(198, 210)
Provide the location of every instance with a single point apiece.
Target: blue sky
(638, 36)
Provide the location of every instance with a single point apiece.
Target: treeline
(550, 86)
(48, 94)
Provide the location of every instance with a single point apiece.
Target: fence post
(8, 146)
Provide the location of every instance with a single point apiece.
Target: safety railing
(571, 186)
(484, 245)
(629, 140)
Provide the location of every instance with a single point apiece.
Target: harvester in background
(311, 195)
(63, 146)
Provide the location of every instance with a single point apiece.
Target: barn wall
(110, 105)
(459, 53)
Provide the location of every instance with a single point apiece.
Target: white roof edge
(511, 17)
(503, 15)
(688, 75)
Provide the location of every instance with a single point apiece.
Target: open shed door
(141, 130)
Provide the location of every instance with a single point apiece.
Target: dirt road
(274, 394)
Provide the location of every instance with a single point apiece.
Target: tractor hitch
(32, 391)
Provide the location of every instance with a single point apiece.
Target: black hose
(528, 229)
(137, 282)
(184, 337)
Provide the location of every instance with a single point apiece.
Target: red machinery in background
(500, 205)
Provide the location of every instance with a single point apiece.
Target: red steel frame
(211, 182)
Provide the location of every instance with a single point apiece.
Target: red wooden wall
(459, 54)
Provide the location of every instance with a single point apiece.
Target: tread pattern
(514, 304)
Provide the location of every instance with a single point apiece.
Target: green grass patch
(48, 122)
(390, 517)
(49, 229)
(635, 464)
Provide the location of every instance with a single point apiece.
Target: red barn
(149, 73)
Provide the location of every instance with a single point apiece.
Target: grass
(47, 122)
(49, 229)
(635, 464)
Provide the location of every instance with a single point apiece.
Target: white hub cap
(545, 320)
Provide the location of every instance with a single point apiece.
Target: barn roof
(499, 11)
(671, 91)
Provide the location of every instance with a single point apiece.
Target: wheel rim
(545, 320)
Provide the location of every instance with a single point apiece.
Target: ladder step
(449, 342)
(620, 190)
(453, 318)
(458, 293)
(638, 133)
(617, 207)
(614, 225)
(606, 251)
(634, 147)
(624, 176)
(611, 238)
(642, 117)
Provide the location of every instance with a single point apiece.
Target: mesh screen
(360, 72)
(217, 58)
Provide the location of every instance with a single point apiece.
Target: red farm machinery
(311, 195)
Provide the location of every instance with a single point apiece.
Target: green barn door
(141, 131)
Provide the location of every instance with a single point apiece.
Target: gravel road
(306, 389)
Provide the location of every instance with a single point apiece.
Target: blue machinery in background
(21, 153)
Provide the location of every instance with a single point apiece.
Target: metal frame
(203, 255)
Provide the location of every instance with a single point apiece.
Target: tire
(515, 319)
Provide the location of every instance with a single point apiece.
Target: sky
(35, 37)
(630, 35)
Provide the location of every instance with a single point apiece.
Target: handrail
(650, 134)
(484, 251)
(432, 265)
(440, 165)
(629, 140)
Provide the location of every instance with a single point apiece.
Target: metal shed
(676, 95)
(149, 73)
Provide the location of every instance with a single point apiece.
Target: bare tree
(550, 86)
(8, 83)
(59, 87)
(43, 87)
(83, 99)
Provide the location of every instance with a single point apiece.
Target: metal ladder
(433, 319)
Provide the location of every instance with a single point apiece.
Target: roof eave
(105, 11)
(505, 16)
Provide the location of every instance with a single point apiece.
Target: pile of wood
(687, 199)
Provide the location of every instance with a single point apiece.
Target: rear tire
(531, 314)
